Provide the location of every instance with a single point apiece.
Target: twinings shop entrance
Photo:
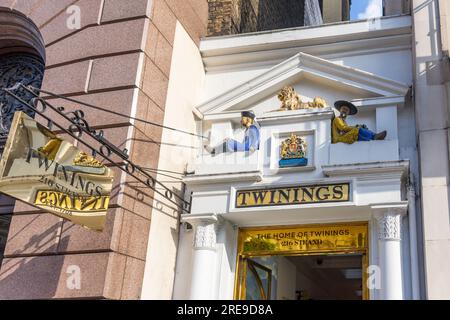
(314, 262)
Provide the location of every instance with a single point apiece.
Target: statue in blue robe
(251, 139)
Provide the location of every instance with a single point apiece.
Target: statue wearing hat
(341, 132)
(251, 139)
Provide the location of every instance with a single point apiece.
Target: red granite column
(119, 59)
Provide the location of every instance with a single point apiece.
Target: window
(5, 221)
(17, 68)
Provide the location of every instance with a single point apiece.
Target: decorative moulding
(365, 169)
(296, 116)
(276, 116)
(330, 41)
(397, 208)
(255, 176)
(372, 103)
(199, 218)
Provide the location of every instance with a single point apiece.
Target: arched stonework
(19, 34)
(22, 60)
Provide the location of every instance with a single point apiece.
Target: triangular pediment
(303, 68)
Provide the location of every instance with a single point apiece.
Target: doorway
(312, 277)
(314, 262)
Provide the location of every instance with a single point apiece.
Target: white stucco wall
(286, 279)
(432, 112)
(395, 65)
(185, 85)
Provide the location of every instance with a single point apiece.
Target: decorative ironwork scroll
(43, 169)
(78, 126)
(17, 69)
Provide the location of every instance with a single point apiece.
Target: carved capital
(205, 228)
(389, 218)
(205, 236)
(389, 226)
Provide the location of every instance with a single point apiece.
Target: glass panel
(5, 220)
(258, 281)
(253, 289)
(265, 281)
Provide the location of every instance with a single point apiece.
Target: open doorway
(307, 277)
(304, 262)
(328, 277)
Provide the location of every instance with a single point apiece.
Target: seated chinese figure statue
(251, 139)
(341, 132)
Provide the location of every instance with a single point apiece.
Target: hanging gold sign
(293, 195)
(307, 239)
(42, 169)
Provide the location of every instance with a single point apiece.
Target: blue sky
(364, 9)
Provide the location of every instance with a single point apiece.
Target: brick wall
(222, 17)
(240, 16)
(280, 14)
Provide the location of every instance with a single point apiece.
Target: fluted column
(389, 218)
(204, 255)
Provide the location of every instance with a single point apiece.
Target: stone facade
(335, 11)
(120, 59)
(395, 7)
(247, 72)
(242, 16)
(432, 89)
(222, 17)
(227, 17)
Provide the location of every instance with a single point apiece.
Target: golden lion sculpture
(290, 100)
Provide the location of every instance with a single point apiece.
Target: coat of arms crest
(293, 152)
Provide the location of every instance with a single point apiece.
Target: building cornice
(252, 176)
(390, 169)
(199, 218)
(369, 103)
(296, 116)
(329, 40)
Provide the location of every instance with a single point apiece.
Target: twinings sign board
(294, 195)
(304, 239)
(42, 169)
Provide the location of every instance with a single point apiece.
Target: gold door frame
(243, 255)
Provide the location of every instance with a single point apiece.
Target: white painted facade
(367, 62)
(185, 87)
(432, 91)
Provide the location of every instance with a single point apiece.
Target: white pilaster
(389, 249)
(204, 254)
(386, 118)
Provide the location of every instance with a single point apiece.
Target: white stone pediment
(309, 71)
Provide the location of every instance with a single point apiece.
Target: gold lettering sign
(293, 195)
(307, 239)
(44, 170)
(66, 202)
